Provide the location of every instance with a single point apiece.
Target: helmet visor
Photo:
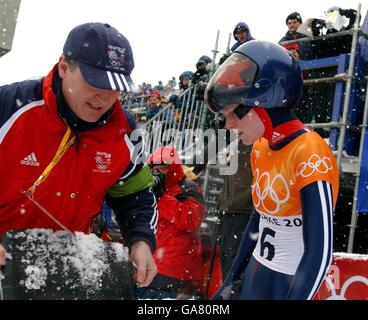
(231, 83)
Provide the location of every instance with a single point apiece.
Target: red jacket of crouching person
(181, 211)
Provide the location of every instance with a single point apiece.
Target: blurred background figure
(184, 80)
(202, 70)
(181, 209)
(154, 104)
(293, 22)
(241, 34)
(200, 76)
(159, 86)
(235, 206)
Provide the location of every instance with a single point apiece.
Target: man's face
(293, 25)
(185, 81)
(201, 65)
(88, 103)
(250, 127)
(153, 101)
(241, 36)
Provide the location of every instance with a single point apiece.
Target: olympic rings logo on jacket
(315, 163)
(269, 191)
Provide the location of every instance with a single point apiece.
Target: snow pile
(77, 260)
(89, 259)
(36, 277)
(121, 252)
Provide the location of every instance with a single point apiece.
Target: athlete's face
(250, 127)
(87, 102)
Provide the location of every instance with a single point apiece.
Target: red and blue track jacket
(31, 131)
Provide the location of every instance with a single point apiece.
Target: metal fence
(183, 126)
(176, 125)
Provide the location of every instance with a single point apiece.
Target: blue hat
(104, 56)
(205, 59)
(187, 74)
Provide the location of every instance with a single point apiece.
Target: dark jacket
(236, 196)
(201, 75)
(306, 47)
(152, 111)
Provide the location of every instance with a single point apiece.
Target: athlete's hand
(2, 255)
(146, 269)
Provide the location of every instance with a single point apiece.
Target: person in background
(293, 21)
(159, 87)
(241, 34)
(173, 82)
(181, 211)
(175, 101)
(180, 104)
(184, 80)
(286, 249)
(202, 70)
(154, 104)
(200, 77)
(170, 86)
(65, 145)
(235, 206)
(145, 88)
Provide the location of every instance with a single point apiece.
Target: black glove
(223, 58)
(158, 186)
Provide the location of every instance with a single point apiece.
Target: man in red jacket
(66, 144)
(178, 254)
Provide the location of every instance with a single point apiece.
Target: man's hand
(141, 255)
(2, 255)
